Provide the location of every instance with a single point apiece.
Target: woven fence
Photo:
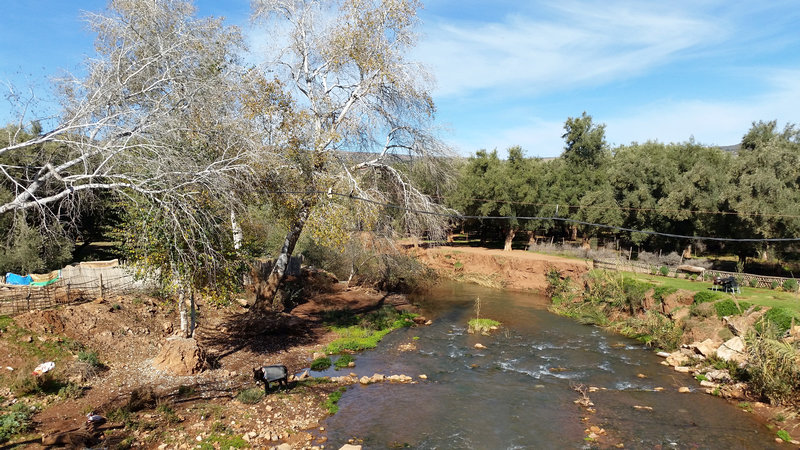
(77, 283)
(744, 279)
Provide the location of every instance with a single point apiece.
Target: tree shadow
(258, 332)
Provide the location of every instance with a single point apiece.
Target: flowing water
(519, 391)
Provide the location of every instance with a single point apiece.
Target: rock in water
(180, 356)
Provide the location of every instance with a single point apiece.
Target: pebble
(480, 346)
(423, 376)
(684, 389)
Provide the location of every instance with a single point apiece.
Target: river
(519, 391)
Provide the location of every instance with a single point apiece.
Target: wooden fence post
(101, 287)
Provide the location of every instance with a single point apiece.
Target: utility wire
(539, 218)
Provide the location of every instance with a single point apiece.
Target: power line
(538, 218)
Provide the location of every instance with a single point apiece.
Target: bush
(14, 421)
(790, 285)
(774, 285)
(706, 296)
(321, 363)
(89, 358)
(779, 319)
(753, 282)
(664, 270)
(772, 368)
(654, 329)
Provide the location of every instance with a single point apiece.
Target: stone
(420, 320)
(706, 348)
(284, 446)
(377, 378)
(350, 447)
(428, 323)
(663, 354)
(718, 375)
(684, 389)
(423, 376)
(180, 356)
(682, 369)
(480, 346)
(364, 380)
(304, 375)
(317, 355)
(732, 350)
(708, 384)
(641, 375)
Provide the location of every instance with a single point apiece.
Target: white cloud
(587, 43)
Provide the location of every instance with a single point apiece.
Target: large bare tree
(155, 121)
(345, 107)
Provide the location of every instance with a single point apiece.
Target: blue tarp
(12, 278)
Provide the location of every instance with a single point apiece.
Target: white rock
(663, 354)
(682, 369)
(350, 447)
(684, 389)
(480, 346)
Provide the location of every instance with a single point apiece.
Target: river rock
(732, 350)
(284, 446)
(663, 354)
(708, 384)
(682, 369)
(377, 378)
(706, 348)
(480, 346)
(423, 376)
(317, 355)
(364, 380)
(684, 389)
(350, 447)
(718, 375)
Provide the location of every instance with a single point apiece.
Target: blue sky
(511, 72)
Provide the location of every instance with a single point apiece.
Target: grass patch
(344, 361)
(321, 364)
(250, 396)
(482, 326)
(784, 435)
(332, 402)
(728, 307)
(358, 333)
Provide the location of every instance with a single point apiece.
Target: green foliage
(776, 320)
(774, 285)
(332, 402)
(344, 361)
(481, 325)
(753, 282)
(90, 358)
(251, 396)
(27, 250)
(773, 369)
(321, 363)
(707, 296)
(664, 270)
(790, 285)
(661, 292)
(654, 329)
(784, 435)
(16, 419)
(560, 290)
(728, 307)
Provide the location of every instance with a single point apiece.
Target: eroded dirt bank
(517, 269)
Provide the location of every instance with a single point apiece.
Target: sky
(511, 72)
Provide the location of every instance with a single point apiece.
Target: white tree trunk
(238, 235)
(509, 239)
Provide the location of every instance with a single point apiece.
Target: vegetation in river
(482, 326)
(361, 332)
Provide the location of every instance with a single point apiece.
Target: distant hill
(730, 148)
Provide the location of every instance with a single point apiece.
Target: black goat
(268, 374)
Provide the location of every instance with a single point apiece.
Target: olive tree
(345, 106)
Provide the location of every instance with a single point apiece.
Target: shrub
(772, 368)
(14, 421)
(321, 363)
(664, 270)
(89, 358)
(753, 282)
(790, 285)
(654, 329)
(250, 396)
(661, 292)
(773, 285)
(706, 296)
(778, 318)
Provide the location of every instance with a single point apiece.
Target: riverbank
(709, 333)
(110, 359)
